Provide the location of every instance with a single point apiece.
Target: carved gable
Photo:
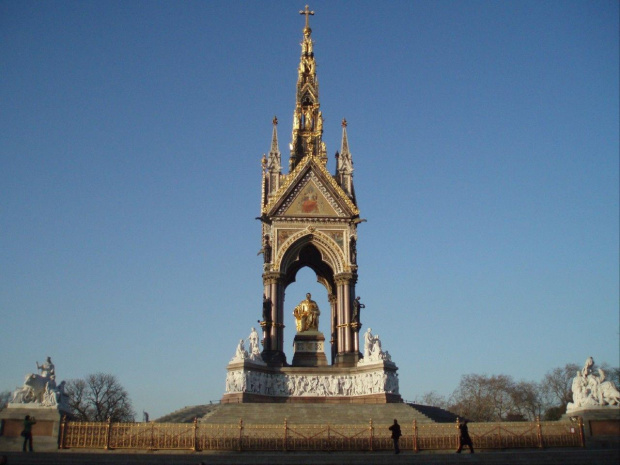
(310, 191)
(310, 198)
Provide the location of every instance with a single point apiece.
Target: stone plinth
(309, 348)
(598, 421)
(45, 432)
(370, 383)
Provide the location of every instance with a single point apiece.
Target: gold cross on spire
(307, 12)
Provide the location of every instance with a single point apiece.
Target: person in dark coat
(27, 432)
(396, 434)
(464, 439)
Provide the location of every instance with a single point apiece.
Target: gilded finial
(344, 122)
(307, 12)
(275, 121)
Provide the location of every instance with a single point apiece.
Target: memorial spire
(307, 117)
(273, 165)
(344, 164)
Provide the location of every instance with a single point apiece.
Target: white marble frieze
(282, 384)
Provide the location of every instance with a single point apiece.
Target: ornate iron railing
(327, 437)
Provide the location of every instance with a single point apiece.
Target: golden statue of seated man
(307, 315)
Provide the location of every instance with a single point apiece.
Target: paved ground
(521, 457)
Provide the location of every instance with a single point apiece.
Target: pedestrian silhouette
(464, 439)
(27, 432)
(396, 434)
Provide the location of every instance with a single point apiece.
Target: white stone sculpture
(368, 343)
(254, 348)
(280, 384)
(41, 389)
(253, 352)
(240, 354)
(591, 390)
(373, 351)
(47, 368)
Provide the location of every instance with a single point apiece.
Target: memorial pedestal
(309, 349)
(601, 421)
(45, 431)
(371, 383)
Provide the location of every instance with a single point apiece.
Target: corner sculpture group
(41, 389)
(591, 390)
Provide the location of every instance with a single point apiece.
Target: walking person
(464, 439)
(27, 432)
(396, 434)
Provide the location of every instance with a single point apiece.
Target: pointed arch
(314, 250)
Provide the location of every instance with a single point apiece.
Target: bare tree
(433, 399)
(527, 402)
(482, 397)
(99, 397)
(611, 373)
(556, 390)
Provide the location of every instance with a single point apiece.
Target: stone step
(512, 457)
(436, 414)
(335, 414)
(187, 414)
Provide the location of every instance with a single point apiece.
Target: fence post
(415, 436)
(581, 433)
(63, 424)
(285, 434)
(458, 432)
(195, 439)
(329, 445)
(539, 432)
(240, 433)
(152, 446)
(372, 434)
(108, 426)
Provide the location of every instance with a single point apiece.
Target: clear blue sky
(485, 141)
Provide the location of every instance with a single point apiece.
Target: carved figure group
(372, 349)
(41, 388)
(240, 354)
(253, 353)
(307, 315)
(254, 346)
(257, 382)
(591, 389)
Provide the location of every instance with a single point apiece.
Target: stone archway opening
(306, 281)
(309, 273)
(321, 253)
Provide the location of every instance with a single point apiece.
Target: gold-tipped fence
(301, 437)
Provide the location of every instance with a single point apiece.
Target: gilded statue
(307, 315)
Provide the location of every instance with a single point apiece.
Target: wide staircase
(334, 414)
(187, 414)
(309, 414)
